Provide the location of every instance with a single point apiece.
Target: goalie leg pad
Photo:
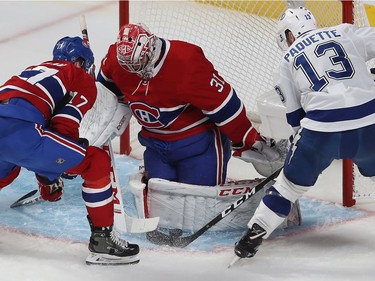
(189, 207)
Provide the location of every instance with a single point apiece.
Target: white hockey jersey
(324, 82)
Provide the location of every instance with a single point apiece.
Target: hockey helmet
(298, 21)
(137, 49)
(73, 48)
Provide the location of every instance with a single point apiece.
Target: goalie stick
(123, 221)
(175, 239)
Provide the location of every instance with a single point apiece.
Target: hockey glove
(249, 242)
(266, 158)
(50, 190)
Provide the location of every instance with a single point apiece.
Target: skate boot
(249, 242)
(295, 217)
(107, 248)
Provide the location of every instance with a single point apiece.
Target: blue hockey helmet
(72, 49)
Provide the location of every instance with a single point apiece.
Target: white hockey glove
(265, 159)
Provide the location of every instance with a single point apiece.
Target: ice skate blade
(105, 259)
(235, 260)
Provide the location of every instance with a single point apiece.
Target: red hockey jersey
(45, 86)
(185, 96)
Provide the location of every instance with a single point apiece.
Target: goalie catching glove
(50, 190)
(266, 158)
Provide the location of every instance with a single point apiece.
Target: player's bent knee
(289, 190)
(10, 178)
(277, 203)
(95, 167)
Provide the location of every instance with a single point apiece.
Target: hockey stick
(175, 239)
(123, 221)
(83, 25)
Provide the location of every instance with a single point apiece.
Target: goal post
(239, 38)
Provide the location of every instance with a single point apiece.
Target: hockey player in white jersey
(329, 96)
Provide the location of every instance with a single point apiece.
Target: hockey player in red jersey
(190, 116)
(40, 114)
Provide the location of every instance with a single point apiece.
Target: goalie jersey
(340, 99)
(185, 96)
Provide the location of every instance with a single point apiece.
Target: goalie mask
(298, 21)
(137, 49)
(74, 49)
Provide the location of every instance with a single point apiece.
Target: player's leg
(364, 157)
(204, 159)
(155, 159)
(156, 167)
(310, 154)
(201, 159)
(105, 244)
(50, 154)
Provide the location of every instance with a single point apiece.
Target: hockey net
(239, 38)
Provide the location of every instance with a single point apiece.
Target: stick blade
(135, 225)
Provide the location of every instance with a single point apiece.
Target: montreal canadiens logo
(146, 115)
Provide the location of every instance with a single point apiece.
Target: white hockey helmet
(298, 21)
(137, 49)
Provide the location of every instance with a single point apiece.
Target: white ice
(334, 252)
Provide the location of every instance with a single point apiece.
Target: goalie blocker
(189, 207)
(107, 119)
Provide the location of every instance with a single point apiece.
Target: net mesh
(238, 37)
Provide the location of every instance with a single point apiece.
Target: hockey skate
(295, 217)
(107, 248)
(249, 242)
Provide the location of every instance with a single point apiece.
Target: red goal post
(239, 38)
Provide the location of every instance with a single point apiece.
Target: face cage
(136, 67)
